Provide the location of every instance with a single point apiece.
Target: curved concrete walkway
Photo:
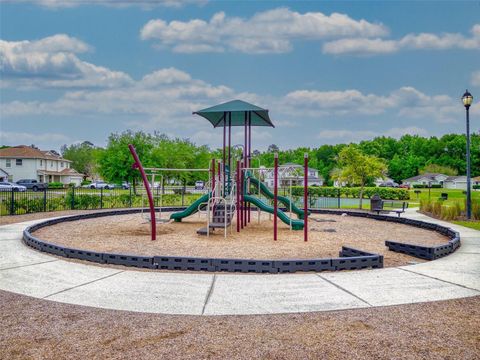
(26, 271)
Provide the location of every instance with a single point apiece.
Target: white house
(457, 182)
(25, 162)
(426, 179)
(476, 180)
(294, 174)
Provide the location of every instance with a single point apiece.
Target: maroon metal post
(224, 145)
(249, 150)
(213, 177)
(138, 165)
(230, 142)
(220, 178)
(305, 198)
(245, 162)
(241, 194)
(238, 195)
(275, 195)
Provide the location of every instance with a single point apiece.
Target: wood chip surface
(130, 234)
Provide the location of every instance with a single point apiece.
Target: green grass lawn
(470, 224)
(453, 196)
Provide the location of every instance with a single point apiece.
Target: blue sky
(329, 72)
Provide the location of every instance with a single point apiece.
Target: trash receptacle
(375, 203)
(444, 196)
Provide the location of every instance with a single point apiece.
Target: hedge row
(354, 192)
(422, 186)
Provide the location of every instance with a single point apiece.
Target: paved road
(28, 272)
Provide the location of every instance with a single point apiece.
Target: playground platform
(28, 272)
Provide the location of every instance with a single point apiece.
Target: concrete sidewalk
(28, 272)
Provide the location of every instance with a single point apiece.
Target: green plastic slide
(296, 224)
(192, 209)
(284, 200)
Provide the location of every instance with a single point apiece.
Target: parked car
(199, 185)
(99, 185)
(404, 186)
(32, 184)
(124, 185)
(9, 186)
(389, 184)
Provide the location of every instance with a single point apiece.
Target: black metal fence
(24, 202)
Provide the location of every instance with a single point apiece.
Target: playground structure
(232, 184)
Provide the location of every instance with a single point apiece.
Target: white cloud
(476, 78)
(161, 95)
(271, 31)
(53, 62)
(422, 41)
(145, 4)
(360, 46)
(165, 76)
(405, 101)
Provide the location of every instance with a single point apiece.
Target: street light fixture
(467, 100)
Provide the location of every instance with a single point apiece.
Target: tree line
(402, 158)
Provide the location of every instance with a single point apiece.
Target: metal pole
(213, 177)
(73, 199)
(275, 194)
(138, 165)
(469, 194)
(230, 147)
(241, 194)
(224, 147)
(245, 163)
(238, 195)
(12, 202)
(101, 198)
(249, 152)
(305, 198)
(44, 199)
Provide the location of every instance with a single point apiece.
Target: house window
(51, 163)
(61, 164)
(8, 163)
(18, 162)
(41, 162)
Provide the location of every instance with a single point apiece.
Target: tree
(82, 157)
(358, 168)
(441, 169)
(273, 148)
(115, 162)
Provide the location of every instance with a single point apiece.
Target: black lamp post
(467, 100)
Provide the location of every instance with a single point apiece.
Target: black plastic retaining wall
(349, 258)
(419, 251)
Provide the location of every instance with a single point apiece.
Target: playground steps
(218, 220)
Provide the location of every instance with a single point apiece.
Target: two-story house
(26, 162)
(294, 174)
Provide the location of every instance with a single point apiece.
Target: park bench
(389, 206)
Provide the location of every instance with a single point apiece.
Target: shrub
(384, 193)
(476, 187)
(85, 182)
(55, 185)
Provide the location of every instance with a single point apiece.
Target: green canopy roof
(238, 108)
